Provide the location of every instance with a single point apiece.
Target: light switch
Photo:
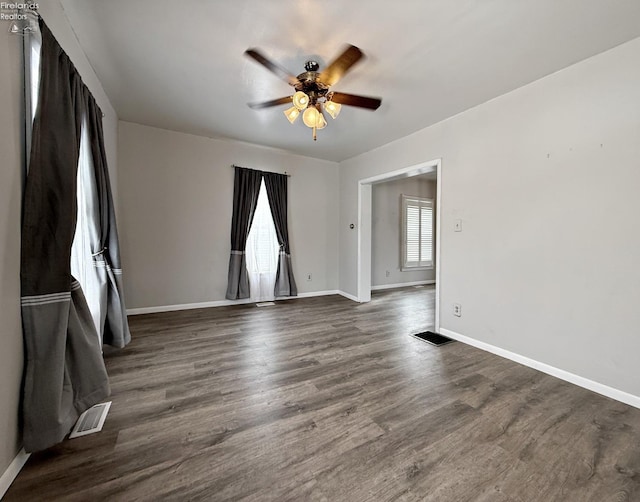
(457, 226)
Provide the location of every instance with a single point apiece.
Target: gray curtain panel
(246, 188)
(64, 369)
(276, 185)
(106, 256)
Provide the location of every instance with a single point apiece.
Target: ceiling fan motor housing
(309, 83)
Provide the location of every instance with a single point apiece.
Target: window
(417, 233)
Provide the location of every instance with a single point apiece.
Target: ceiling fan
(313, 95)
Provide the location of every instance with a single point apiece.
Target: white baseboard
(12, 471)
(186, 306)
(219, 303)
(349, 296)
(314, 293)
(600, 388)
(402, 285)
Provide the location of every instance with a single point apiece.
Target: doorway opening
(365, 186)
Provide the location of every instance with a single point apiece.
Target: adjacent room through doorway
(403, 235)
(410, 196)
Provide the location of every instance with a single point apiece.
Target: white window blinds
(417, 232)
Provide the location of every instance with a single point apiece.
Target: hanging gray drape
(276, 185)
(106, 257)
(64, 369)
(246, 188)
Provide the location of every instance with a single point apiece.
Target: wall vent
(91, 420)
(265, 304)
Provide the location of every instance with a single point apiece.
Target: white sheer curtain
(33, 44)
(262, 251)
(87, 237)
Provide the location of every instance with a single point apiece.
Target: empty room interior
(320, 250)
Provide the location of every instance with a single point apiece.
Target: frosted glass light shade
(321, 123)
(300, 100)
(332, 108)
(310, 117)
(292, 114)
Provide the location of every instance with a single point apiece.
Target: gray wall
(176, 191)
(11, 356)
(386, 230)
(11, 127)
(546, 180)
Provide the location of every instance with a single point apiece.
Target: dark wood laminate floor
(325, 399)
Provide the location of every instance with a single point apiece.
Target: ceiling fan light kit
(313, 95)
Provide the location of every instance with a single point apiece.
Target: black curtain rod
(262, 171)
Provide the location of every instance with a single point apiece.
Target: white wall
(11, 146)
(546, 180)
(386, 230)
(176, 191)
(11, 356)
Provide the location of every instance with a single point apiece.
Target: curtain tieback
(99, 253)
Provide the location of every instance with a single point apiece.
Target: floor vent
(433, 338)
(265, 304)
(419, 286)
(91, 420)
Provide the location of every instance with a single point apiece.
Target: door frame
(364, 225)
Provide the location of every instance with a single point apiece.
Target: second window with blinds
(417, 233)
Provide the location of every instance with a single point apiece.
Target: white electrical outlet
(388, 273)
(457, 310)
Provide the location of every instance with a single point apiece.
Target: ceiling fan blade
(271, 66)
(341, 65)
(354, 100)
(273, 102)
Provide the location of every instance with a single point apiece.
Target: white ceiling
(179, 65)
